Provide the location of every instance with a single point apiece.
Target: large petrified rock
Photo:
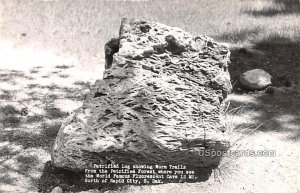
(158, 103)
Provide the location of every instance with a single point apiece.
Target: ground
(52, 51)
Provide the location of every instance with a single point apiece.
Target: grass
(244, 131)
(81, 28)
(52, 50)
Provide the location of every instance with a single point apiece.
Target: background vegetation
(52, 50)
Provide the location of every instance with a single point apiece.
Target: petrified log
(159, 103)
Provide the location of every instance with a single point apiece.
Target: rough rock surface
(158, 103)
(256, 79)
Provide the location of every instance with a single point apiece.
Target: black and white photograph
(149, 96)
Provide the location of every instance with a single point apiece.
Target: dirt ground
(54, 82)
(52, 92)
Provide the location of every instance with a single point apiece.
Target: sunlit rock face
(159, 103)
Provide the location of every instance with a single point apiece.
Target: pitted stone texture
(256, 79)
(158, 103)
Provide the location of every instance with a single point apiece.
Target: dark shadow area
(43, 140)
(34, 119)
(110, 49)
(75, 181)
(55, 113)
(279, 109)
(25, 167)
(56, 72)
(31, 86)
(26, 162)
(280, 7)
(12, 121)
(67, 180)
(276, 55)
(35, 130)
(240, 36)
(63, 67)
(10, 75)
(50, 131)
(34, 71)
(9, 109)
(37, 67)
(82, 83)
(6, 95)
(63, 75)
(6, 179)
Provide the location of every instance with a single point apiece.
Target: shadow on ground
(32, 107)
(279, 7)
(67, 180)
(75, 181)
(278, 107)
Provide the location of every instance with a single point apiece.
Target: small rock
(270, 90)
(24, 111)
(256, 79)
(57, 190)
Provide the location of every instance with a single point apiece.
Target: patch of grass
(82, 27)
(234, 127)
(275, 7)
(238, 134)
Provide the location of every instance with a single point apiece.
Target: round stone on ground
(57, 190)
(256, 79)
